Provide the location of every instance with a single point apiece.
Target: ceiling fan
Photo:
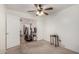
(40, 10)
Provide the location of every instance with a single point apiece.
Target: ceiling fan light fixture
(39, 13)
(40, 10)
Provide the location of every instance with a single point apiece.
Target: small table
(54, 40)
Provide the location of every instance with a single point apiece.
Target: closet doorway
(28, 30)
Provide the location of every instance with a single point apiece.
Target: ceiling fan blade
(36, 5)
(50, 8)
(46, 13)
(40, 5)
(31, 11)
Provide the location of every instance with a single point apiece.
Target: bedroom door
(13, 30)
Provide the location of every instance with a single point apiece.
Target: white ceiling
(27, 7)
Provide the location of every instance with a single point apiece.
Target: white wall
(40, 27)
(2, 29)
(66, 25)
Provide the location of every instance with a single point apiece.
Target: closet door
(13, 30)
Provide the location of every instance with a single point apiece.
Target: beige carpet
(38, 47)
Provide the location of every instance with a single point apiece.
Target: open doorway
(28, 31)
